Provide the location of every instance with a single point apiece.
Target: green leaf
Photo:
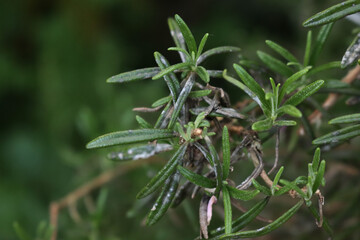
(289, 109)
(142, 122)
(276, 180)
(181, 100)
(171, 80)
(171, 69)
(226, 152)
(227, 210)
(261, 188)
(180, 50)
(164, 173)
(316, 159)
(293, 186)
(320, 41)
(244, 195)
(162, 119)
(282, 51)
(252, 85)
(20, 232)
(308, 49)
(188, 36)
(217, 165)
(165, 199)
(161, 101)
(268, 228)
(177, 36)
(140, 152)
(284, 123)
(130, 136)
(201, 45)
(275, 64)
(199, 119)
(197, 179)
(307, 91)
(138, 74)
(262, 125)
(201, 71)
(339, 135)
(333, 13)
(335, 84)
(319, 176)
(290, 80)
(199, 93)
(351, 118)
(324, 67)
(244, 219)
(218, 50)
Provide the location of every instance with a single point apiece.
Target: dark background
(54, 59)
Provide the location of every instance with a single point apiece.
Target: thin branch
(276, 150)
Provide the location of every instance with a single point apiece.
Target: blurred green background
(54, 59)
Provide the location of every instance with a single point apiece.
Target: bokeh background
(54, 59)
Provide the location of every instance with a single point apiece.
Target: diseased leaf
(226, 152)
(164, 173)
(227, 210)
(188, 36)
(284, 89)
(351, 118)
(289, 109)
(268, 228)
(217, 50)
(162, 120)
(177, 36)
(352, 52)
(217, 165)
(196, 178)
(165, 199)
(319, 43)
(243, 220)
(171, 80)
(138, 74)
(282, 51)
(262, 125)
(142, 122)
(275, 64)
(130, 136)
(171, 69)
(333, 13)
(140, 152)
(244, 195)
(339, 135)
(307, 91)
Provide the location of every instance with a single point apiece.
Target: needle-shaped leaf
(226, 152)
(262, 125)
(161, 101)
(227, 210)
(162, 120)
(164, 173)
(177, 36)
(307, 91)
(203, 74)
(351, 118)
(276, 180)
(181, 99)
(196, 178)
(281, 123)
(20, 232)
(308, 48)
(319, 43)
(244, 195)
(171, 69)
(140, 152)
(142, 122)
(188, 36)
(352, 52)
(180, 50)
(253, 86)
(339, 135)
(316, 159)
(275, 64)
(268, 228)
(319, 176)
(199, 93)
(261, 188)
(130, 136)
(282, 51)
(290, 80)
(201, 45)
(138, 74)
(324, 67)
(165, 199)
(171, 80)
(333, 13)
(217, 50)
(217, 165)
(289, 109)
(293, 186)
(243, 220)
